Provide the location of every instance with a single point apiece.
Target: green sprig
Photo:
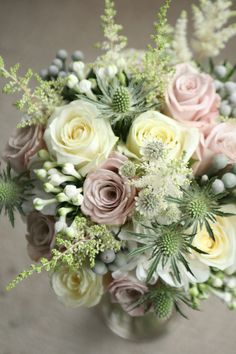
(37, 103)
(81, 246)
(157, 69)
(114, 42)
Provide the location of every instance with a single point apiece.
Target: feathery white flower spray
(211, 32)
(180, 50)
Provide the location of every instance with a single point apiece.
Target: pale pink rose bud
(191, 98)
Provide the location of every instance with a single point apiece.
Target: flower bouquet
(124, 169)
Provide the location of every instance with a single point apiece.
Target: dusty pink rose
(126, 292)
(191, 98)
(221, 140)
(22, 145)
(40, 235)
(108, 198)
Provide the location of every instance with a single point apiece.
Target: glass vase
(132, 328)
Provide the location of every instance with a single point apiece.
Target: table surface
(32, 321)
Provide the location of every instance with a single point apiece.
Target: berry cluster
(59, 67)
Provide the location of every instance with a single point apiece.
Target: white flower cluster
(211, 31)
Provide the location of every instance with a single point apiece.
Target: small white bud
(39, 203)
(69, 169)
(57, 179)
(60, 225)
(231, 283)
(64, 211)
(62, 197)
(111, 71)
(217, 282)
(41, 174)
(101, 73)
(49, 188)
(72, 81)
(48, 165)
(85, 86)
(78, 199)
(78, 67)
(70, 191)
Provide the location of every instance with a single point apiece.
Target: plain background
(31, 319)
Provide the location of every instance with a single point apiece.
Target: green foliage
(37, 103)
(157, 68)
(74, 248)
(13, 192)
(113, 42)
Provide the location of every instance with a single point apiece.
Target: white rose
(81, 288)
(221, 252)
(152, 125)
(74, 134)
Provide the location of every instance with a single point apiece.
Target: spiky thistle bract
(14, 190)
(163, 299)
(167, 245)
(200, 206)
(120, 102)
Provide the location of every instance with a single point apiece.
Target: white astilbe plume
(181, 52)
(211, 32)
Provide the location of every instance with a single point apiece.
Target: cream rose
(152, 125)
(74, 134)
(221, 252)
(81, 288)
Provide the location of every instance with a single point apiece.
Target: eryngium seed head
(9, 193)
(121, 100)
(170, 242)
(163, 304)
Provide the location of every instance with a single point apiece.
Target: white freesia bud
(85, 87)
(101, 72)
(57, 179)
(60, 225)
(61, 198)
(39, 203)
(231, 283)
(78, 199)
(43, 155)
(217, 282)
(52, 171)
(70, 191)
(111, 71)
(41, 174)
(48, 165)
(72, 81)
(64, 211)
(69, 169)
(78, 67)
(49, 188)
